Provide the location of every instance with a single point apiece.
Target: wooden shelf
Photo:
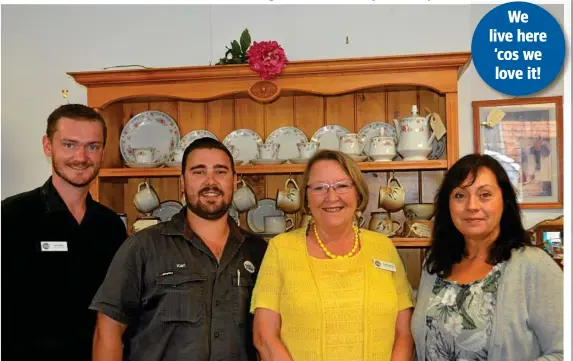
(139, 172)
(278, 169)
(411, 242)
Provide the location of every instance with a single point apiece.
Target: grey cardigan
(528, 322)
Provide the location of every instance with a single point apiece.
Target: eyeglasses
(339, 187)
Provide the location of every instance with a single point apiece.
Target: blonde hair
(349, 167)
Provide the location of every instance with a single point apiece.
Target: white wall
(41, 43)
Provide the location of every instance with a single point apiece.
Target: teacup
(382, 149)
(381, 222)
(145, 199)
(307, 149)
(350, 144)
(288, 199)
(392, 197)
(244, 198)
(268, 151)
(376, 217)
(277, 224)
(146, 155)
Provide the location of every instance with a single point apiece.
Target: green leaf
(461, 297)
(490, 284)
(467, 322)
(236, 49)
(245, 40)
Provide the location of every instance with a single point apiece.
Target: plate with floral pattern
(167, 209)
(246, 141)
(194, 135)
(149, 129)
(328, 135)
(287, 137)
(438, 147)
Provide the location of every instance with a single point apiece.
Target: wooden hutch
(307, 95)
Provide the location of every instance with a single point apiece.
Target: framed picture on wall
(526, 136)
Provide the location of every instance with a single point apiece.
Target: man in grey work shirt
(181, 290)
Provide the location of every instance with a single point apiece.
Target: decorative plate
(246, 140)
(143, 165)
(149, 129)
(192, 136)
(372, 130)
(287, 137)
(256, 217)
(166, 210)
(438, 147)
(328, 135)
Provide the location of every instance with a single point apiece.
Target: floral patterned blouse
(459, 318)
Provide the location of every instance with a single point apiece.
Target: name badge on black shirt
(54, 246)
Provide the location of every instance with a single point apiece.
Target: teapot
(415, 136)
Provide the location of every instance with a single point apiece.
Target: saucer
(268, 161)
(172, 164)
(299, 160)
(382, 157)
(143, 165)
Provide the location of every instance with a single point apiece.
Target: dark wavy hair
(448, 244)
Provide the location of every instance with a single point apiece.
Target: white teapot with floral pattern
(415, 136)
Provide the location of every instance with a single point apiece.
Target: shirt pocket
(242, 291)
(183, 298)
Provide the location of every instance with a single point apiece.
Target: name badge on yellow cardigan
(388, 266)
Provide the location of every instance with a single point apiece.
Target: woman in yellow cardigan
(332, 291)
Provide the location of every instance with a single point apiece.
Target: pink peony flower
(266, 58)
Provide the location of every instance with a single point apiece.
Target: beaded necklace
(330, 254)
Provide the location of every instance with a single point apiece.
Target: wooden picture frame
(528, 141)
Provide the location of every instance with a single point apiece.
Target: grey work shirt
(180, 303)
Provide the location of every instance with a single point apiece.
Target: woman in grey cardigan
(486, 294)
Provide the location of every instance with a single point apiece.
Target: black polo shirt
(180, 303)
(51, 268)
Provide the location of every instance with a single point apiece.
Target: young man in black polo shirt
(181, 290)
(57, 243)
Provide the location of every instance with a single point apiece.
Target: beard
(60, 168)
(207, 210)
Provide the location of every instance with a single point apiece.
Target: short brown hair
(205, 143)
(349, 166)
(77, 112)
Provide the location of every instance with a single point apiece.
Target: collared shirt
(51, 268)
(178, 301)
